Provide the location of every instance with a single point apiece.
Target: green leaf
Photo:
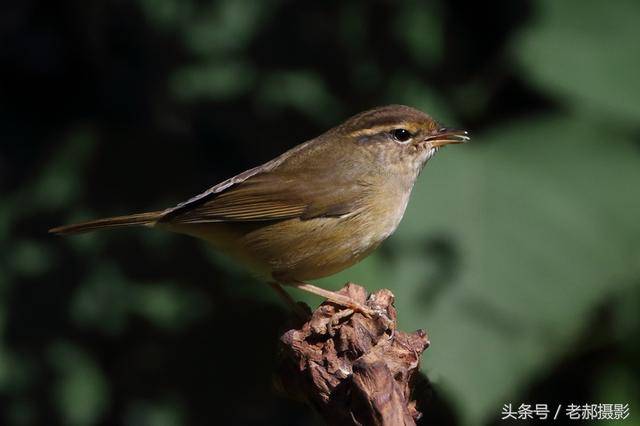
(168, 305)
(57, 185)
(167, 14)
(103, 301)
(419, 27)
(304, 91)
(80, 392)
(29, 258)
(216, 81)
(156, 413)
(224, 26)
(586, 53)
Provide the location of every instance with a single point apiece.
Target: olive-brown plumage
(319, 207)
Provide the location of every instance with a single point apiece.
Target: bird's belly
(299, 250)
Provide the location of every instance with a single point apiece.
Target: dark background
(519, 253)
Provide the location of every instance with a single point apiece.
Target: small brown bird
(316, 209)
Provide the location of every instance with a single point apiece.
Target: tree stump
(353, 369)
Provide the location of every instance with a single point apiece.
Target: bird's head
(399, 136)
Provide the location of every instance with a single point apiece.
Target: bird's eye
(401, 135)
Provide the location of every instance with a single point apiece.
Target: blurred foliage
(520, 252)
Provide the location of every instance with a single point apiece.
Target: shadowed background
(519, 253)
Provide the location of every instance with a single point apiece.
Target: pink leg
(332, 296)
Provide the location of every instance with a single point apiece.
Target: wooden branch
(354, 370)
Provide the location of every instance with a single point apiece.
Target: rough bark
(355, 370)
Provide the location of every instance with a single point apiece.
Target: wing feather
(276, 190)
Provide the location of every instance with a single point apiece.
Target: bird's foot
(352, 305)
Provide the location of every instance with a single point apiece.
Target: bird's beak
(446, 136)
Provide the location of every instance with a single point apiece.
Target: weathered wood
(353, 369)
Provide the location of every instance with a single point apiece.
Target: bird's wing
(267, 196)
(274, 191)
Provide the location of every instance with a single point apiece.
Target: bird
(314, 210)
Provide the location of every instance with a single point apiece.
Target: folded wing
(270, 195)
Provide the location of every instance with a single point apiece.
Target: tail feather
(111, 222)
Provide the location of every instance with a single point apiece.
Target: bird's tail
(148, 219)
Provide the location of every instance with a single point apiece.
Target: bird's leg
(332, 296)
(299, 310)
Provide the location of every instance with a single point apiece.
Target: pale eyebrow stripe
(387, 127)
